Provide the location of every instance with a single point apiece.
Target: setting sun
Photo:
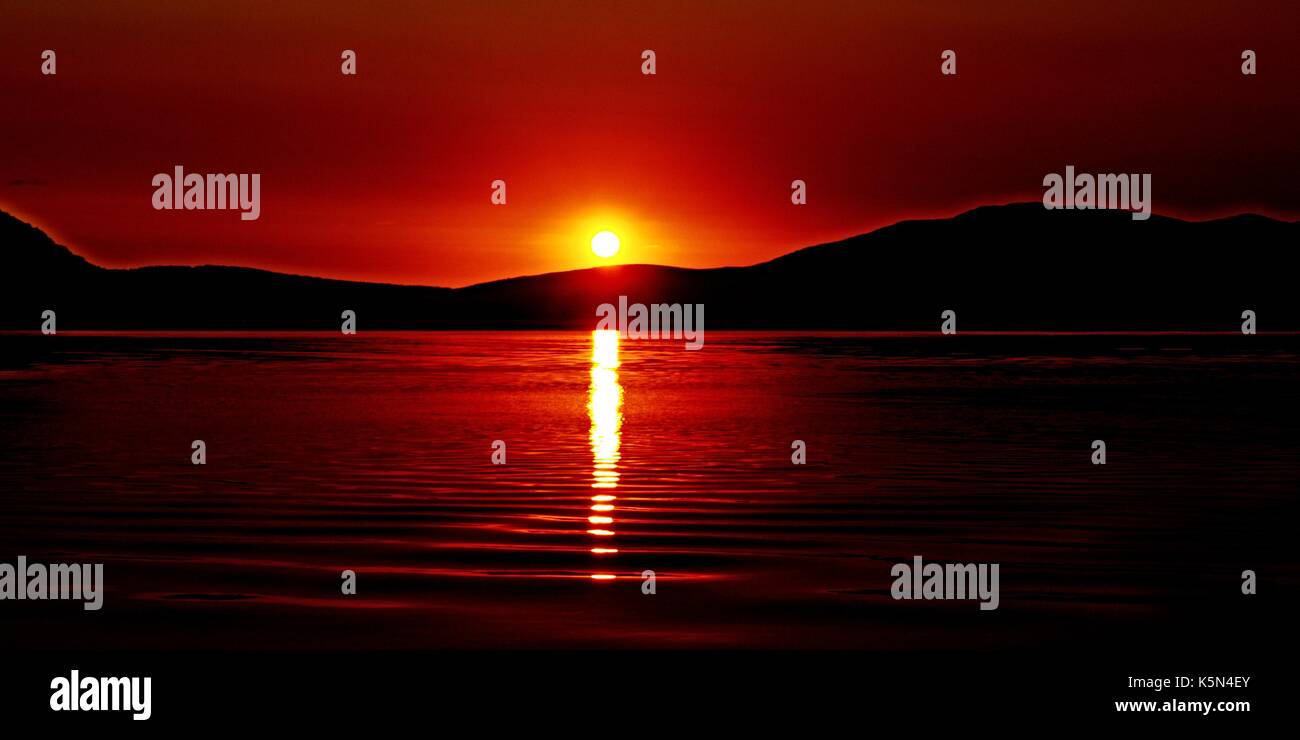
(605, 244)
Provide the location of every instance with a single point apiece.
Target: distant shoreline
(1009, 268)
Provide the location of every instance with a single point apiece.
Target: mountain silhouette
(1000, 268)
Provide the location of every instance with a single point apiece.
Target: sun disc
(605, 244)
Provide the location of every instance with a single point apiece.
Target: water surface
(374, 453)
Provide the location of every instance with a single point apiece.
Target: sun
(605, 244)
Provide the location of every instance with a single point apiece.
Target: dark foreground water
(374, 453)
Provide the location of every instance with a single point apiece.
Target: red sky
(386, 175)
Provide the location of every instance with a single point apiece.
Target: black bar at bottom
(811, 693)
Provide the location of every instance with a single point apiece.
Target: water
(373, 453)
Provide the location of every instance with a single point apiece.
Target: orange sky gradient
(385, 176)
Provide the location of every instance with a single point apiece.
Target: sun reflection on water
(605, 408)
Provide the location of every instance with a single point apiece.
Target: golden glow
(605, 244)
(603, 576)
(604, 550)
(577, 233)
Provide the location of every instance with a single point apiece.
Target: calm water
(373, 453)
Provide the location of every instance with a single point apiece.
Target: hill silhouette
(1011, 267)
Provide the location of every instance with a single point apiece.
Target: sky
(387, 175)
